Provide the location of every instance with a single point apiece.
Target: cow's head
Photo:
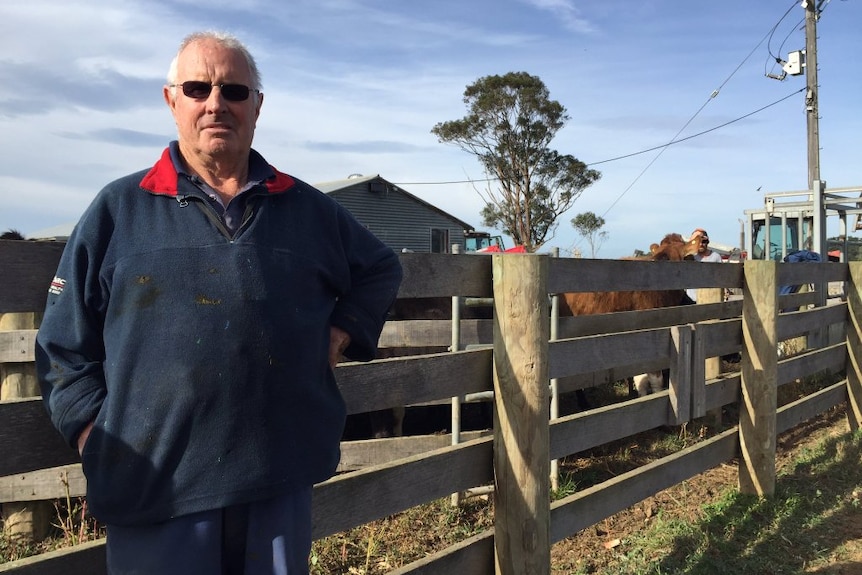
(674, 248)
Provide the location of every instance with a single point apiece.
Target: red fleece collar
(162, 178)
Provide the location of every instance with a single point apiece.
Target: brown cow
(672, 248)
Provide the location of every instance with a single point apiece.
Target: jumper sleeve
(69, 345)
(375, 276)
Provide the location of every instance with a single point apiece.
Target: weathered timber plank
(577, 275)
(805, 408)
(588, 507)
(703, 367)
(434, 332)
(811, 272)
(352, 499)
(700, 367)
(18, 381)
(445, 275)
(369, 452)
(854, 346)
(18, 346)
(582, 431)
(44, 484)
(830, 358)
(387, 383)
(718, 338)
(594, 353)
(798, 323)
(610, 375)
(84, 559)
(28, 441)
(646, 319)
(759, 379)
(474, 555)
(794, 301)
(680, 375)
(721, 337)
(723, 391)
(521, 400)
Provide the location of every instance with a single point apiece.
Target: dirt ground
(595, 547)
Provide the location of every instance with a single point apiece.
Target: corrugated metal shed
(400, 219)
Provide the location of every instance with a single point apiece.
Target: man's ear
(169, 97)
(258, 105)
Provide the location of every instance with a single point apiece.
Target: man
(190, 334)
(704, 254)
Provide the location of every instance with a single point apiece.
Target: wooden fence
(585, 351)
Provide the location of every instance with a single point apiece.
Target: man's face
(704, 245)
(213, 128)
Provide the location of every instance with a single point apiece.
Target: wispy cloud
(366, 147)
(121, 136)
(566, 11)
(39, 89)
(357, 85)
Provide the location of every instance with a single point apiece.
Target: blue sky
(355, 86)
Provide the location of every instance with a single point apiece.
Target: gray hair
(226, 40)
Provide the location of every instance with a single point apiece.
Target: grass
(14, 548)
(727, 533)
(387, 544)
(800, 525)
(803, 524)
(71, 526)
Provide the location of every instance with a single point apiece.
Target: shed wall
(397, 219)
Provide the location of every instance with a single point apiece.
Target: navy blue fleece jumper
(201, 354)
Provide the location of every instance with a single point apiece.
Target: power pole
(812, 113)
(811, 99)
(815, 184)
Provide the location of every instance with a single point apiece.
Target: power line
(774, 28)
(670, 143)
(675, 139)
(714, 128)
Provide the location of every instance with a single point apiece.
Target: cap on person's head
(702, 232)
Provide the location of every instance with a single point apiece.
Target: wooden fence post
(712, 365)
(680, 375)
(854, 346)
(30, 520)
(757, 414)
(522, 435)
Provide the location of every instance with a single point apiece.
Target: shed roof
(336, 185)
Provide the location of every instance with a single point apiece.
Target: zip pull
(182, 201)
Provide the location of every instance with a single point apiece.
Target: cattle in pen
(673, 247)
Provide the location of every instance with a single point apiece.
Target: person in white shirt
(704, 254)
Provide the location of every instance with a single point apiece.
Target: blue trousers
(270, 537)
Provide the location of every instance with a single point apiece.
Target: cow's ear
(653, 248)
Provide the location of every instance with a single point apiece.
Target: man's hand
(338, 342)
(82, 438)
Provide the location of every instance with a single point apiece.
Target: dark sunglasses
(198, 90)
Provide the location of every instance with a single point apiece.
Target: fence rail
(587, 351)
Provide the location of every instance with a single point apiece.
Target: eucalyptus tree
(509, 126)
